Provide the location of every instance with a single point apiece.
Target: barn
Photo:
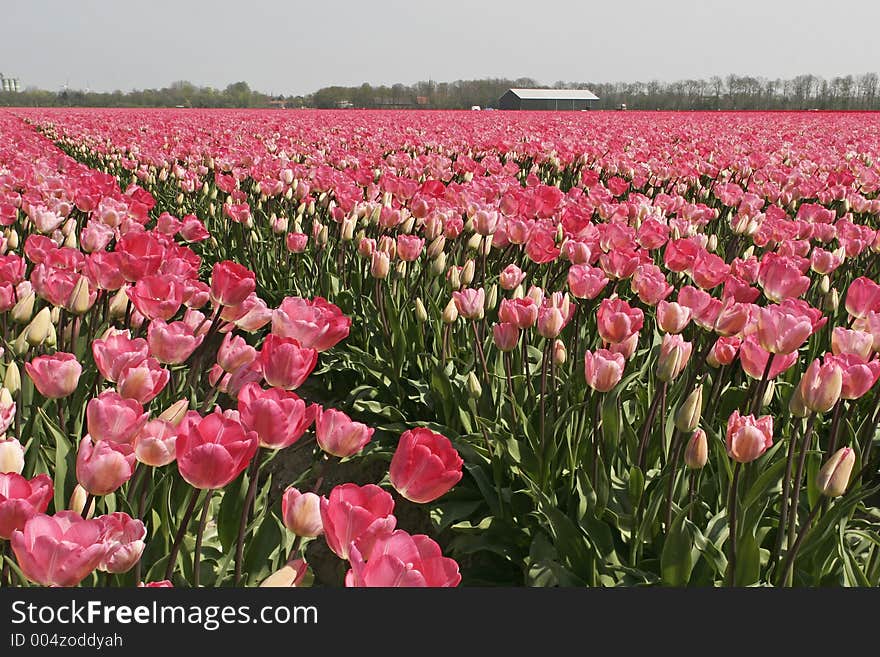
(547, 99)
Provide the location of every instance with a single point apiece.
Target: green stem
(788, 566)
(730, 578)
(181, 532)
(796, 485)
(197, 551)
(253, 476)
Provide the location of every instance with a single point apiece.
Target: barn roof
(556, 94)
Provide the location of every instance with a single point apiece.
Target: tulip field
(379, 348)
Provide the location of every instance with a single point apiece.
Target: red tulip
(214, 450)
(278, 417)
(338, 435)
(286, 364)
(55, 376)
(586, 282)
(748, 438)
(317, 324)
(356, 516)
(21, 499)
(123, 537)
(59, 550)
(231, 283)
(401, 560)
(425, 466)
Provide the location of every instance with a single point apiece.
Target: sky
(291, 47)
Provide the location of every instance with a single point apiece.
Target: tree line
(731, 92)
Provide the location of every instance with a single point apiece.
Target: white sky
(295, 47)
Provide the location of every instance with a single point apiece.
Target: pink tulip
(425, 466)
(470, 302)
(821, 384)
(409, 247)
(554, 314)
(522, 313)
(231, 283)
(123, 537)
(401, 560)
(154, 444)
(301, 513)
(748, 438)
(723, 352)
(617, 321)
(780, 331)
(116, 352)
(235, 353)
(586, 282)
(709, 270)
(144, 381)
(55, 376)
(862, 297)
(59, 550)
(603, 369)
(674, 355)
(21, 499)
(286, 364)
(102, 466)
(338, 435)
(672, 317)
(732, 318)
(505, 336)
(858, 376)
(857, 343)
(356, 516)
(317, 324)
(156, 297)
(650, 285)
(753, 359)
(214, 450)
(780, 278)
(111, 417)
(172, 343)
(278, 417)
(510, 277)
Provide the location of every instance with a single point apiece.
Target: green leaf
(677, 558)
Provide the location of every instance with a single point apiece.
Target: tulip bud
(11, 379)
(347, 230)
(833, 478)
(11, 456)
(467, 273)
(696, 454)
(23, 308)
(559, 353)
(450, 312)
(436, 246)
(379, 265)
(492, 297)
(118, 304)
(421, 313)
(78, 501)
(474, 388)
(825, 284)
(38, 330)
(474, 242)
(796, 404)
(688, 416)
(768, 393)
(518, 292)
(175, 413)
(712, 243)
(70, 240)
(438, 264)
(290, 574)
(832, 300)
(80, 301)
(12, 239)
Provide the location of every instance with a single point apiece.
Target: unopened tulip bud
(421, 313)
(118, 304)
(23, 309)
(455, 278)
(492, 297)
(301, 513)
(475, 390)
(796, 404)
(80, 300)
(12, 379)
(474, 242)
(290, 574)
(832, 300)
(696, 454)
(821, 386)
(450, 312)
(55, 314)
(78, 501)
(38, 330)
(559, 353)
(438, 265)
(748, 253)
(833, 477)
(176, 412)
(70, 241)
(347, 230)
(11, 456)
(436, 246)
(379, 265)
(712, 243)
(12, 239)
(467, 273)
(825, 284)
(518, 292)
(688, 416)
(768, 393)
(407, 226)
(323, 236)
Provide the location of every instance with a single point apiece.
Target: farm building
(547, 99)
